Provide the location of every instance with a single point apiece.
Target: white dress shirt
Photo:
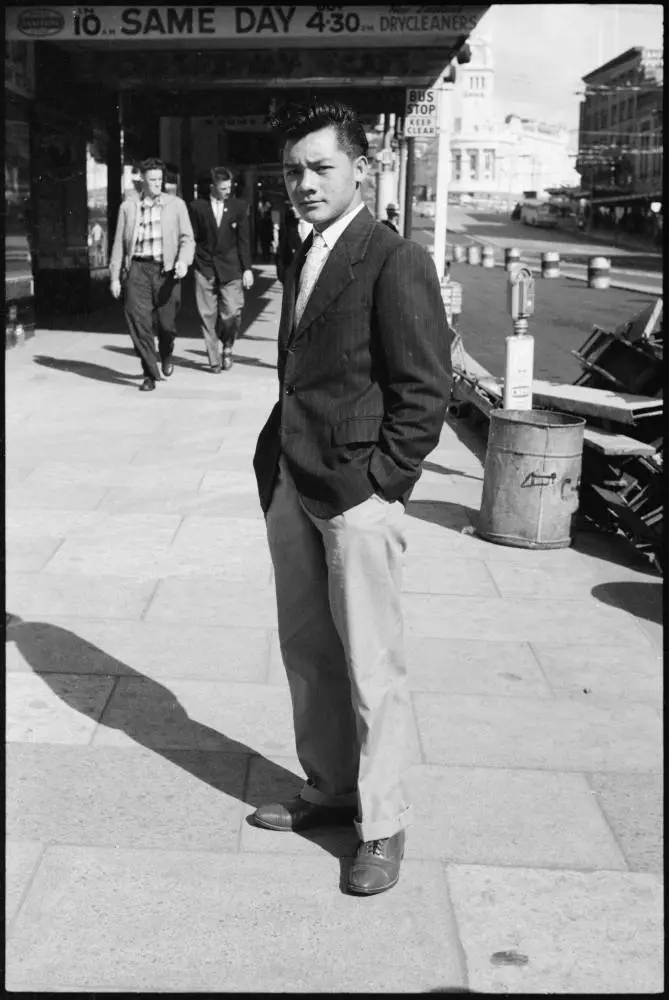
(218, 206)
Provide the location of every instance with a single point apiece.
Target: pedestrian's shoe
(167, 366)
(227, 358)
(217, 369)
(148, 385)
(376, 867)
(301, 815)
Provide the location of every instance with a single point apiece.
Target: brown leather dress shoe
(167, 366)
(376, 867)
(226, 360)
(301, 815)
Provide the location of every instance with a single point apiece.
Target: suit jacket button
(290, 389)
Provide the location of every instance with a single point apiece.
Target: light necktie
(312, 267)
(218, 210)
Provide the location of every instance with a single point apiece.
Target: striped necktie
(313, 265)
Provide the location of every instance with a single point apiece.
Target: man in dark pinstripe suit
(364, 372)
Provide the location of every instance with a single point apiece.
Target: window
(457, 166)
(489, 164)
(614, 114)
(473, 163)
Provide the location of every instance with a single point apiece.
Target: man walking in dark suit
(364, 372)
(222, 266)
(154, 246)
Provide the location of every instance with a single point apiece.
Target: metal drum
(511, 257)
(459, 253)
(487, 256)
(550, 264)
(599, 272)
(473, 253)
(531, 478)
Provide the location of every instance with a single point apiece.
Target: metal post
(408, 194)
(443, 171)
(402, 183)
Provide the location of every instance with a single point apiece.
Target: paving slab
(517, 620)
(106, 474)
(61, 709)
(633, 805)
(154, 650)
(499, 816)
(198, 715)
(29, 555)
(125, 500)
(37, 594)
(123, 919)
(558, 735)
(602, 671)
(126, 798)
(18, 496)
(21, 860)
(211, 599)
(429, 575)
(538, 932)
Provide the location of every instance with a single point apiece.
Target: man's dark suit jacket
(225, 250)
(364, 379)
(289, 244)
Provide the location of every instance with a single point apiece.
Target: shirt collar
(332, 233)
(146, 201)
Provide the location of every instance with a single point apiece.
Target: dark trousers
(152, 301)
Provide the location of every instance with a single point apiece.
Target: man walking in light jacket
(154, 246)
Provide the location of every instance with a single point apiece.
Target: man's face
(321, 179)
(221, 189)
(153, 182)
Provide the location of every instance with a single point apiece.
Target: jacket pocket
(357, 430)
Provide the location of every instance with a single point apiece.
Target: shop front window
(97, 200)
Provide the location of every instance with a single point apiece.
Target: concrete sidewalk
(148, 714)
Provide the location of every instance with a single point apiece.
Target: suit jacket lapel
(337, 271)
(290, 289)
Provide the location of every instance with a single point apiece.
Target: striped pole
(599, 272)
(511, 257)
(550, 264)
(487, 257)
(473, 253)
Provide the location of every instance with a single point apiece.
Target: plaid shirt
(150, 235)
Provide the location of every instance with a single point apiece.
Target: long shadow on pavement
(643, 600)
(49, 648)
(87, 369)
(178, 361)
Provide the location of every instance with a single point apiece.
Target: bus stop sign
(420, 114)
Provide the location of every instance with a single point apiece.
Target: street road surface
(630, 266)
(565, 312)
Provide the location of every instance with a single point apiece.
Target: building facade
(620, 155)
(495, 160)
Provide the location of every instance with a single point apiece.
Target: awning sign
(254, 26)
(420, 113)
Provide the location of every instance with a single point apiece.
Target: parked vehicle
(534, 212)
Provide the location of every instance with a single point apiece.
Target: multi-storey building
(495, 160)
(620, 140)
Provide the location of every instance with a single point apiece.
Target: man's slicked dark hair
(153, 163)
(302, 119)
(221, 174)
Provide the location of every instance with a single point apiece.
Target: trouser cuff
(311, 794)
(384, 827)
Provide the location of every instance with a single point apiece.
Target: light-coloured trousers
(338, 585)
(220, 307)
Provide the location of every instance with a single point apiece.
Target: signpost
(421, 112)
(252, 25)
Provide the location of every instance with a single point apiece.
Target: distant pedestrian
(153, 247)
(364, 373)
(392, 217)
(293, 231)
(265, 228)
(223, 268)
